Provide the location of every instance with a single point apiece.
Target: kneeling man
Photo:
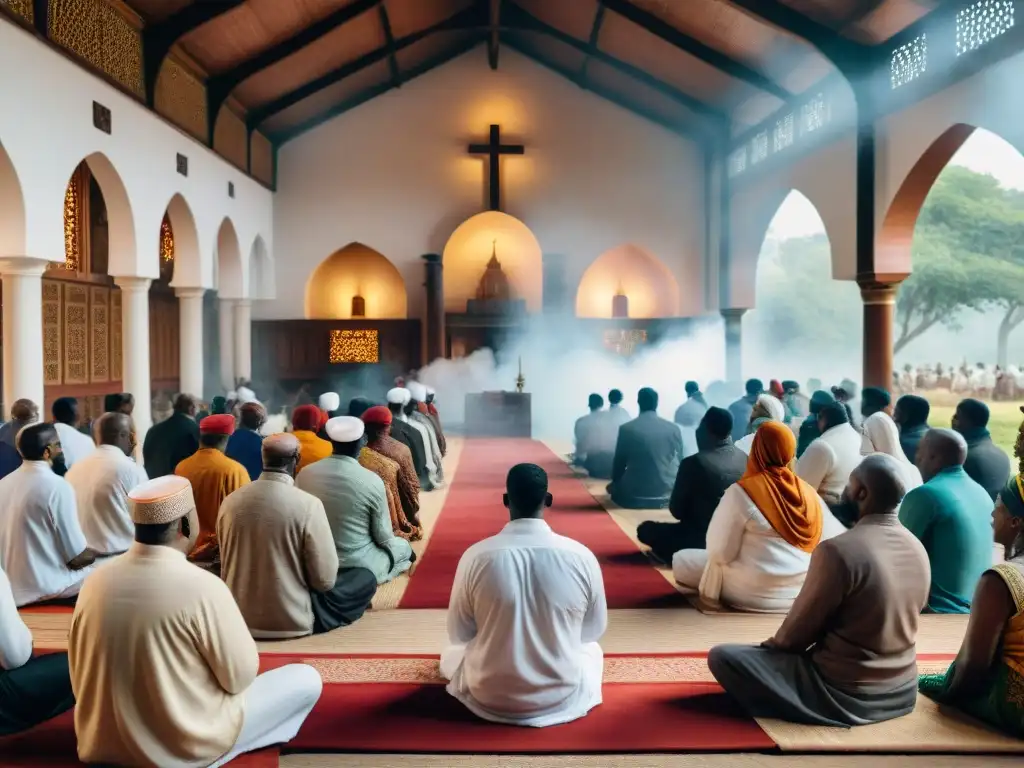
(526, 612)
(846, 653)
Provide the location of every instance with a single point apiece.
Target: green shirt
(952, 516)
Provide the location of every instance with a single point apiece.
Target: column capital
(27, 266)
(133, 284)
(878, 293)
(190, 293)
(733, 313)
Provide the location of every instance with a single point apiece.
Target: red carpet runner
(473, 511)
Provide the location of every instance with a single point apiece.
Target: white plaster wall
(51, 133)
(394, 174)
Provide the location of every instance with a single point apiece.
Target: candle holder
(520, 381)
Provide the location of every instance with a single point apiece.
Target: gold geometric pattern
(102, 36)
(53, 331)
(76, 330)
(21, 8)
(73, 229)
(181, 98)
(354, 347)
(115, 334)
(229, 138)
(99, 308)
(1014, 579)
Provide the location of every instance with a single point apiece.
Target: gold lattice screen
(624, 341)
(360, 346)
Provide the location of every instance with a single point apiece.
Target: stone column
(135, 348)
(733, 344)
(435, 331)
(879, 310)
(226, 332)
(23, 330)
(190, 305)
(243, 339)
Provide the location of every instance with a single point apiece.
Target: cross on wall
(494, 149)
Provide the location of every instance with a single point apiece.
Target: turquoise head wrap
(1012, 496)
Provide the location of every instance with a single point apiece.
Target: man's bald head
(876, 485)
(281, 453)
(24, 411)
(116, 429)
(938, 450)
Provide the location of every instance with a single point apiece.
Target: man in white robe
(433, 471)
(66, 420)
(828, 461)
(526, 613)
(102, 482)
(417, 395)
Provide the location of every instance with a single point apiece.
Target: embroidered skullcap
(398, 396)
(306, 417)
(330, 401)
(345, 429)
(218, 424)
(161, 500)
(377, 415)
(1012, 496)
(417, 391)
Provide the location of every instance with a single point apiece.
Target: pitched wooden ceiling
(695, 66)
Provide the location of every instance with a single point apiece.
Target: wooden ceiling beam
(849, 57)
(494, 32)
(470, 18)
(377, 90)
(595, 32)
(159, 38)
(219, 87)
(389, 41)
(518, 19)
(695, 48)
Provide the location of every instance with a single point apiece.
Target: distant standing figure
(173, 440)
(647, 456)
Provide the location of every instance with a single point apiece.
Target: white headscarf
(776, 412)
(881, 435)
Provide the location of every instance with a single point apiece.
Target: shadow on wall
(356, 271)
(628, 270)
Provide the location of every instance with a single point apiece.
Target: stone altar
(498, 414)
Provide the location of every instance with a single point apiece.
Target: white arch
(228, 264)
(261, 271)
(646, 281)
(12, 209)
(187, 259)
(120, 220)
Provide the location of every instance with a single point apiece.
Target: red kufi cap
(218, 424)
(307, 417)
(379, 414)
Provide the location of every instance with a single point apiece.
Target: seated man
(32, 688)
(808, 431)
(411, 417)
(988, 674)
(647, 455)
(700, 483)
(616, 413)
(378, 420)
(173, 440)
(66, 420)
(356, 505)
(845, 654)
(911, 416)
(23, 413)
(200, 701)
(102, 482)
(306, 425)
(828, 461)
(213, 477)
(873, 400)
(245, 444)
(526, 613)
(409, 437)
(388, 471)
(987, 464)
(688, 416)
(951, 515)
(278, 556)
(741, 409)
(42, 547)
(595, 435)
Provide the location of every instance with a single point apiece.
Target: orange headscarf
(789, 504)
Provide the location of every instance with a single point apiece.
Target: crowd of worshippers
(180, 556)
(851, 524)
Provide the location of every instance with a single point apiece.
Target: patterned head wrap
(1012, 496)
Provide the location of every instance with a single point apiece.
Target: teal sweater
(952, 516)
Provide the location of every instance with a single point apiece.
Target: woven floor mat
(642, 761)
(928, 728)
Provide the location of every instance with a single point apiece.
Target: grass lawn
(1004, 423)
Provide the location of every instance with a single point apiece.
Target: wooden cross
(494, 149)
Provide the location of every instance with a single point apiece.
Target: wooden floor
(386, 629)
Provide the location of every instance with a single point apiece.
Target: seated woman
(767, 408)
(987, 678)
(762, 532)
(881, 435)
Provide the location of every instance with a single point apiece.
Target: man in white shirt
(32, 689)
(102, 483)
(828, 461)
(66, 420)
(42, 547)
(526, 612)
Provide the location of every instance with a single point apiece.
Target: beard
(60, 466)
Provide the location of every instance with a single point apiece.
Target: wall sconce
(358, 306)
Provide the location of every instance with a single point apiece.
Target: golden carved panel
(99, 328)
(181, 98)
(262, 159)
(229, 138)
(76, 334)
(102, 36)
(21, 8)
(115, 334)
(53, 332)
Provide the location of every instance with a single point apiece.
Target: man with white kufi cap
(420, 413)
(198, 700)
(356, 504)
(330, 402)
(430, 452)
(408, 436)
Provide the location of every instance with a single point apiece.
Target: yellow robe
(313, 448)
(213, 477)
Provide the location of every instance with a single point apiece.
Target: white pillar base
(135, 348)
(190, 305)
(23, 330)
